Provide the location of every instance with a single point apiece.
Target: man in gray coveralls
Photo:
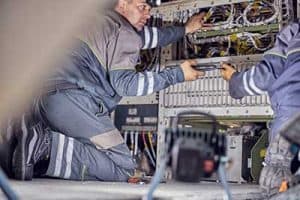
(72, 135)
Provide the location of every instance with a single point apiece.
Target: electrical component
(236, 28)
(193, 154)
(138, 124)
(150, 137)
(202, 150)
(146, 148)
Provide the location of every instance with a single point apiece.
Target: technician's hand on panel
(195, 23)
(190, 74)
(227, 71)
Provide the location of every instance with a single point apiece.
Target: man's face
(137, 13)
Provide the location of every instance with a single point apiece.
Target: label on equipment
(132, 111)
(150, 120)
(133, 120)
(249, 162)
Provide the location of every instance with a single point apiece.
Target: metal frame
(232, 113)
(244, 110)
(235, 149)
(210, 94)
(167, 9)
(150, 99)
(238, 110)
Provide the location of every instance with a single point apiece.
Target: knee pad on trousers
(277, 166)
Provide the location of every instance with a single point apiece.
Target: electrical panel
(138, 126)
(238, 27)
(240, 32)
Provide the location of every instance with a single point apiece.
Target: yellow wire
(150, 140)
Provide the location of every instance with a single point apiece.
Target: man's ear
(122, 5)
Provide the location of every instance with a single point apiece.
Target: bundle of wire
(254, 10)
(147, 149)
(254, 14)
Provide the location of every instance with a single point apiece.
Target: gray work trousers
(281, 116)
(75, 118)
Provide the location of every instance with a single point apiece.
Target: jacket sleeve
(259, 79)
(157, 37)
(132, 83)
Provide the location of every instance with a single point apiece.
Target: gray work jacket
(105, 55)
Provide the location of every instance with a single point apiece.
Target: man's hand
(190, 74)
(195, 23)
(227, 71)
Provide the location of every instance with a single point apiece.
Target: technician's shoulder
(100, 29)
(284, 39)
(111, 25)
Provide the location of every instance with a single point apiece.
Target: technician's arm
(260, 78)
(131, 83)
(157, 37)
